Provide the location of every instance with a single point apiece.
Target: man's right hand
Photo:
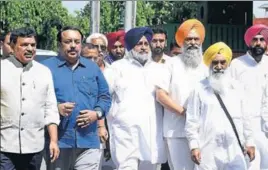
(196, 156)
(66, 109)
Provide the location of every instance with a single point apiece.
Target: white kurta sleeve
(192, 120)
(51, 108)
(110, 76)
(164, 81)
(247, 117)
(265, 109)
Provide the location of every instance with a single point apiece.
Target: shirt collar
(18, 64)
(62, 61)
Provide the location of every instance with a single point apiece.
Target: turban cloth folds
(186, 27)
(134, 35)
(217, 48)
(113, 37)
(255, 30)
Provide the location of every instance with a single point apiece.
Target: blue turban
(134, 35)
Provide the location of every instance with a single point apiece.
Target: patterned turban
(186, 27)
(217, 48)
(115, 36)
(255, 30)
(134, 35)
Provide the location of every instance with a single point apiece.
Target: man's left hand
(54, 151)
(103, 134)
(250, 151)
(86, 117)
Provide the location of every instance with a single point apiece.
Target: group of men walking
(120, 92)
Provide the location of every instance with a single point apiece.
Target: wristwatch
(99, 114)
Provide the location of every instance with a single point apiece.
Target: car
(44, 54)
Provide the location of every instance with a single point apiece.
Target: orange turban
(217, 48)
(115, 36)
(186, 27)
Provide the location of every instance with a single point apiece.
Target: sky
(77, 5)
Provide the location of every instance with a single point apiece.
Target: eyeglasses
(216, 62)
(102, 47)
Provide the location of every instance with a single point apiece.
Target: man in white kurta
(211, 137)
(181, 74)
(135, 131)
(251, 70)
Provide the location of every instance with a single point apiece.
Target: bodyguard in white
(182, 73)
(134, 124)
(251, 70)
(212, 139)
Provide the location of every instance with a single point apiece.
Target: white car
(44, 54)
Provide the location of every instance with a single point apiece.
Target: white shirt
(28, 103)
(179, 81)
(252, 74)
(135, 118)
(208, 128)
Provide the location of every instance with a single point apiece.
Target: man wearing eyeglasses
(251, 69)
(100, 42)
(116, 46)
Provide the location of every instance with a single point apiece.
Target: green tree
(44, 16)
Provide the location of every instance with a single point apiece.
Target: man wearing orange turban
(191, 25)
(211, 137)
(251, 69)
(116, 46)
(182, 73)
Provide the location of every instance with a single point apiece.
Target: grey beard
(192, 57)
(141, 58)
(218, 81)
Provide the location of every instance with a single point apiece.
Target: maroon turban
(255, 30)
(115, 36)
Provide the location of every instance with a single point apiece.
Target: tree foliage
(44, 16)
(49, 16)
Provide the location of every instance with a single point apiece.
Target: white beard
(141, 58)
(219, 81)
(192, 57)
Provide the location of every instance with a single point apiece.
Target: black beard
(257, 53)
(117, 57)
(158, 51)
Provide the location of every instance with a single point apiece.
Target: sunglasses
(216, 62)
(102, 47)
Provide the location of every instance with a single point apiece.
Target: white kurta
(135, 120)
(208, 128)
(252, 75)
(179, 81)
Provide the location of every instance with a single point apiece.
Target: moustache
(72, 50)
(192, 47)
(216, 71)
